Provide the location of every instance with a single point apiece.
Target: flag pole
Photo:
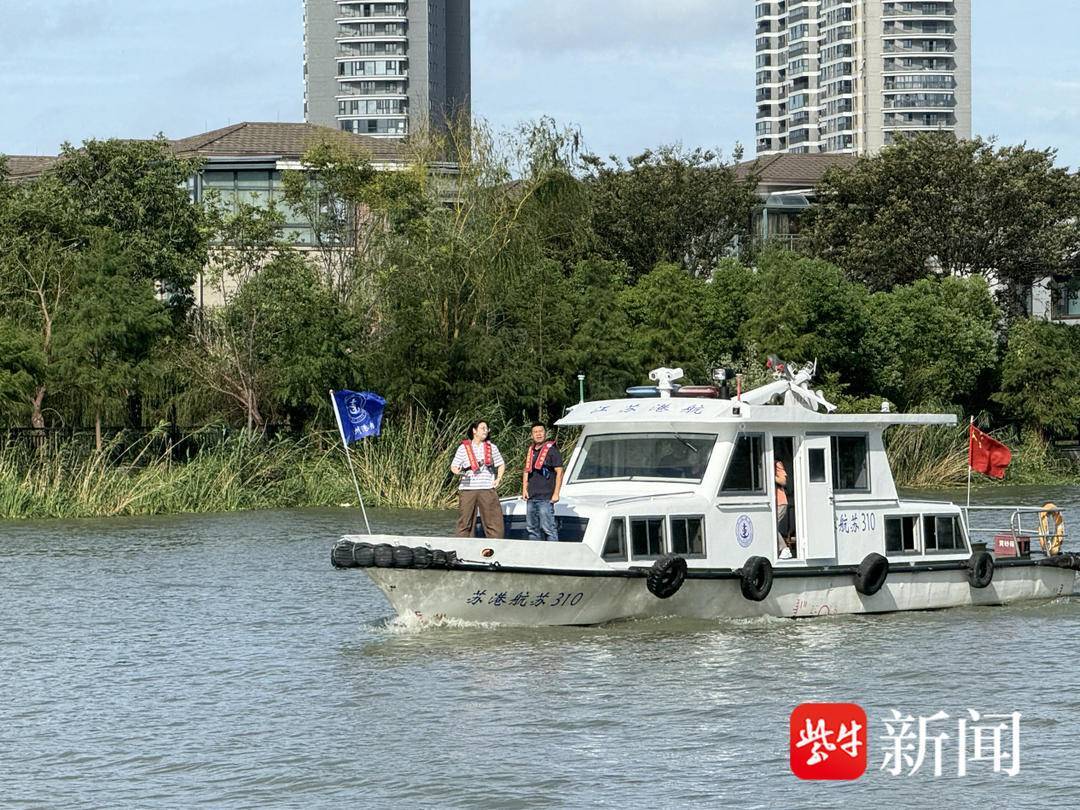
(348, 457)
(967, 511)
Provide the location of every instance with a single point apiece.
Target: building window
(851, 468)
(647, 537)
(1066, 299)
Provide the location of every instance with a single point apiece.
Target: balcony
(920, 101)
(929, 120)
(928, 9)
(920, 83)
(381, 90)
(366, 50)
(798, 15)
(367, 10)
(919, 46)
(909, 65)
(920, 29)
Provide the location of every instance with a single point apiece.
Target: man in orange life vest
(481, 467)
(540, 485)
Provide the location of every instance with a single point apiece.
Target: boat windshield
(627, 456)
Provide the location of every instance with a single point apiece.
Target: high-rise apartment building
(850, 75)
(386, 69)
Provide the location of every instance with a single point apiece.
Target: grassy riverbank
(405, 467)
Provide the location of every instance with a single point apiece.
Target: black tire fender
(363, 555)
(666, 576)
(871, 574)
(403, 557)
(421, 557)
(756, 578)
(980, 569)
(383, 555)
(341, 555)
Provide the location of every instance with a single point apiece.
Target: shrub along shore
(406, 467)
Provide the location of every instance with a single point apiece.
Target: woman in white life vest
(480, 465)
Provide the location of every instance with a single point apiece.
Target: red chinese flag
(986, 454)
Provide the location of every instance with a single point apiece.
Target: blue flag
(359, 415)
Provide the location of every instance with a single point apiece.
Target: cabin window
(615, 544)
(851, 467)
(688, 535)
(817, 465)
(745, 472)
(900, 534)
(942, 534)
(647, 536)
(680, 456)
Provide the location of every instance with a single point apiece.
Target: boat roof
(689, 412)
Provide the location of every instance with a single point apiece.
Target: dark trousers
(484, 501)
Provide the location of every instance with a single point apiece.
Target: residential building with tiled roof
(786, 185)
(23, 167)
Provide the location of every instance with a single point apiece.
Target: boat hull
(538, 598)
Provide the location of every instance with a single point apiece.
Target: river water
(219, 661)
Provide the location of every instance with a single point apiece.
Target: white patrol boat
(674, 505)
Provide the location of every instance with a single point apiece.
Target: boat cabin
(708, 479)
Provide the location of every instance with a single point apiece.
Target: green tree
(138, 189)
(669, 205)
(304, 341)
(726, 308)
(933, 204)
(37, 271)
(474, 310)
(349, 205)
(600, 346)
(932, 341)
(1039, 388)
(804, 309)
(108, 329)
(21, 366)
(665, 309)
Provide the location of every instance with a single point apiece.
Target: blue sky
(630, 73)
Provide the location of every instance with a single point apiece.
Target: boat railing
(1016, 522)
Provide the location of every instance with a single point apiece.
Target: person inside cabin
(783, 513)
(541, 482)
(480, 465)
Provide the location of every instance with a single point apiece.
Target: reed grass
(934, 457)
(406, 467)
(937, 458)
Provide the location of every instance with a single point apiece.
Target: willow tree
(477, 312)
(348, 204)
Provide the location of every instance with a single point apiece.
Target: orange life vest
(473, 465)
(541, 457)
